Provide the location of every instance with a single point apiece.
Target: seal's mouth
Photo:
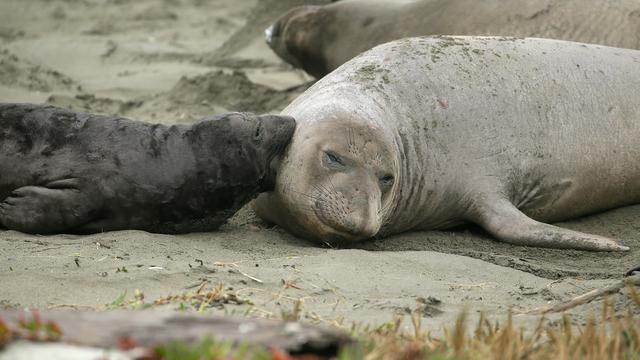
(342, 233)
(335, 237)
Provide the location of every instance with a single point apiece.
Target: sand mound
(9, 34)
(93, 104)
(233, 91)
(16, 72)
(190, 99)
(261, 17)
(214, 92)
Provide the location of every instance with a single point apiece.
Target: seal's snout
(350, 213)
(367, 227)
(270, 33)
(293, 37)
(356, 226)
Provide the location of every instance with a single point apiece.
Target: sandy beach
(174, 61)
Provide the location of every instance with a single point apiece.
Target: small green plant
(118, 302)
(210, 349)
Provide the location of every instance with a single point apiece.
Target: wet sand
(175, 61)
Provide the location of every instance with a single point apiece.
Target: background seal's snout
(271, 33)
(268, 34)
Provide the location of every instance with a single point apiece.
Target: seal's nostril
(268, 34)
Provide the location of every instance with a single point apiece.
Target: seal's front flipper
(56, 207)
(503, 220)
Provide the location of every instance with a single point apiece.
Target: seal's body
(429, 133)
(63, 171)
(321, 38)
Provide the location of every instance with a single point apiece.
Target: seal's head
(335, 182)
(251, 144)
(298, 38)
(272, 133)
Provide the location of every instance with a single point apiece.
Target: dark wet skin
(68, 172)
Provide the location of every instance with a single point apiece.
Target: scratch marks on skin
(535, 193)
(375, 160)
(530, 192)
(352, 147)
(359, 149)
(497, 152)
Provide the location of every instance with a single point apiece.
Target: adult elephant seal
(318, 39)
(429, 133)
(63, 171)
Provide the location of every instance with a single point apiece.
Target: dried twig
(586, 298)
(237, 268)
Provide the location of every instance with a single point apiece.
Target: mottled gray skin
(505, 133)
(318, 39)
(64, 171)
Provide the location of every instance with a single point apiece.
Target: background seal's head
(251, 144)
(298, 38)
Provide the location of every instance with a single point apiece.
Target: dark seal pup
(64, 171)
(318, 39)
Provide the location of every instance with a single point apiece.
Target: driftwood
(632, 279)
(110, 329)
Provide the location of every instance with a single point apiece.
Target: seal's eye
(333, 160)
(385, 182)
